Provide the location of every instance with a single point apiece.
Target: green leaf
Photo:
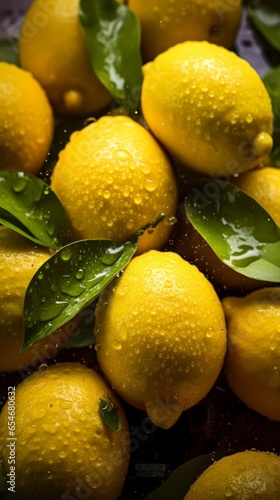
(112, 35)
(265, 15)
(109, 413)
(9, 50)
(81, 333)
(69, 281)
(238, 229)
(30, 207)
(272, 83)
(180, 480)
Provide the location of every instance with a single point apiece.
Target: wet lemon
(253, 355)
(246, 474)
(53, 48)
(113, 178)
(167, 22)
(160, 335)
(208, 107)
(263, 184)
(19, 260)
(27, 125)
(64, 449)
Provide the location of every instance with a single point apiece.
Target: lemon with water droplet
(27, 124)
(62, 437)
(19, 260)
(208, 132)
(249, 474)
(165, 23)
(161, 335)
(253, 355)
(52, 46)
(101, 179)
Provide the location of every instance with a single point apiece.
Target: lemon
(165, 23)
(160, 335)
(245, 474)
(208, 107)
(253, 355)
(53, 48)
(27, 125)
(19, 260)
(263, 184)
(113, 178)
(64, 449)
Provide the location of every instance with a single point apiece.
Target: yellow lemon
(26, 126)
(253, 355)
(53, 48)
(160, 335)
(246, 474)
(64, 449)
(113, 178)
(19, 260)
(208, 107)
(263, 184)
(165, 23)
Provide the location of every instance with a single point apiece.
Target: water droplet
(112, 255)
(228, 492)
(97, 347)
(117, 345)
(19, 182)
(65, 254)
(43, 367)
(106, 195)
(79, 274)
(209, 332)
(50, 229)
(40, 275)
(150, 185)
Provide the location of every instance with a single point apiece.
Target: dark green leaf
(272, 83)
(181, 479)
(113, 38)
(265, 15)
(81, 332)
(70, 280)
(9, 50)
(237, 228)
(110, 414)
(30, 207)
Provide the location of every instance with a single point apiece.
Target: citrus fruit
(208, 107)
(19, 260)
(27, 124)
(113, 178)
(53, 48)
(263, 184)
(160, 335)
(253, 356)
(245, 474)
(165, 23)
(64, 449)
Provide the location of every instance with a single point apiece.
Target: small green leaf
(112, 35)
(30, 207)
(238, 229)
(272, 83)
(180, 480)
(109, 413)
(265, 15)
(9, 50)
(69, 281)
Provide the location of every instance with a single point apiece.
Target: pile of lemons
(163, 332)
